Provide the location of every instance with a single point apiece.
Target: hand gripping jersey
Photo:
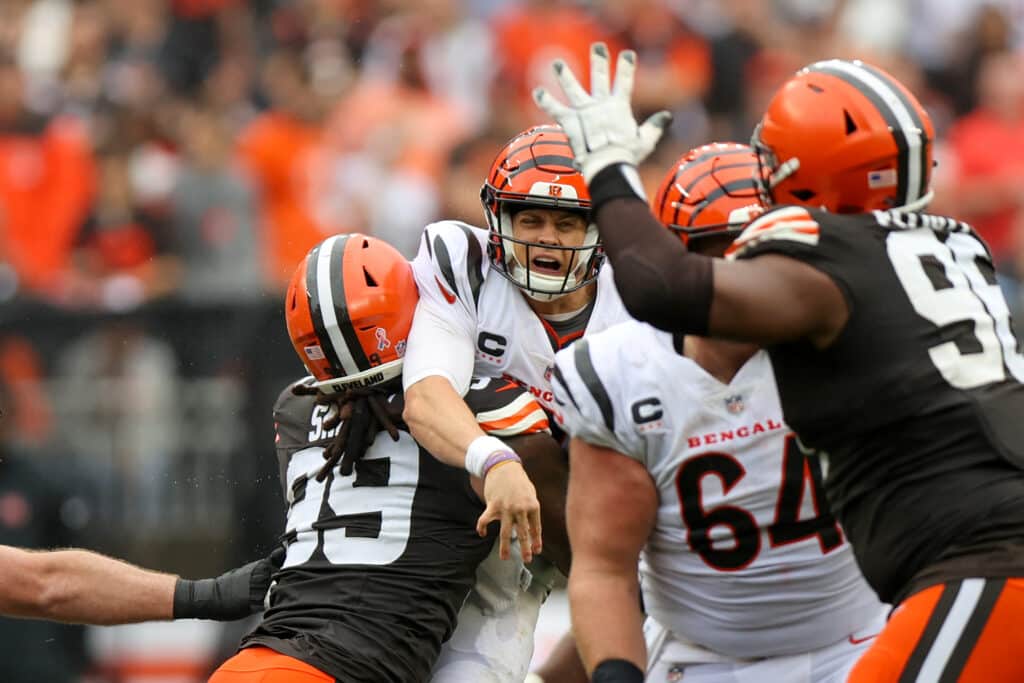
(378, 562)
(744, 558)
(489, 315)
(918, 406)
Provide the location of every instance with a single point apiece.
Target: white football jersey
(744, 558)
(488, 312)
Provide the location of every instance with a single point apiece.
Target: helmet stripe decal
(337, 280)
(730, 187)
(316, 315)
(722, 190)
(706, 156)
(546, 160)
(532, 141)
(909, 137)
(328, 305)
(922, 147)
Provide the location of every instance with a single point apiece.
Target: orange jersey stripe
(512, 419)
(541, 425)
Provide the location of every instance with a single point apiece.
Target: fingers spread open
(599, 74)
(574, 92)
(526, 546)
(625, 68)
(549, 104)
(537, 536)
(505, 536)
(486, 518)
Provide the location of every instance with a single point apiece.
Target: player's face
(548, 229)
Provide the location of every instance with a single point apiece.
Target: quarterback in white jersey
(680, 455)
(500, 303)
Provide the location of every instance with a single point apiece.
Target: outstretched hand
(600, 124)
(512, 500)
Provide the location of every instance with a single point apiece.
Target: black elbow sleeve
(660, 283)
(672, 294)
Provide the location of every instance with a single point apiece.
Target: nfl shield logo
(734, 404)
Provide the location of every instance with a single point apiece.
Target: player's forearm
(439, 420)
(79, 586)
(659, 281)
(549, 472)
(611, 626)
(563, 664)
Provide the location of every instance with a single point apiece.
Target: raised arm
(611, 510)
(764, 300)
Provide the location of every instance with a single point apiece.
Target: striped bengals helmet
(847, 137)
(536, 169)
(711, 190)
(348, 309)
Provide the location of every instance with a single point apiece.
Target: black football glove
(232, 595)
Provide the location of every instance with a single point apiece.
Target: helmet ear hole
(370, 282)
(803, 195)
(851, 126)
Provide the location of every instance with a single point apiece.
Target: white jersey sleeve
(449, 271)
(593, 403)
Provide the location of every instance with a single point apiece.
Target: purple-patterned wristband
(498, 457)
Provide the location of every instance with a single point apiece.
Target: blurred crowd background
(164, 165)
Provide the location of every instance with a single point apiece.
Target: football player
(381, 538)
(745, 573)
(499, 303)
(889, 337)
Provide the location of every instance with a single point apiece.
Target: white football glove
(600, 124)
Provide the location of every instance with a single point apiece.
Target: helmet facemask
(584, 260)
(769, 171)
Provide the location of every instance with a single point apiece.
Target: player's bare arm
(440, 420)
(563, 664)
(544, 462)
(508, 492)
(80, 586)
(612, 506)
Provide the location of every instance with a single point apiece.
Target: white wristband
(482, 448)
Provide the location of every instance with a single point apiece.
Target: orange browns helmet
(349, 308)
(847, 137)
(536, 169)
(711, 190)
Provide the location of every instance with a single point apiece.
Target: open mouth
(545, 265)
